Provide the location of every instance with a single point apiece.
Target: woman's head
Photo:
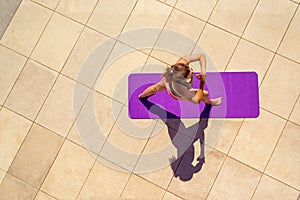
(178, 71)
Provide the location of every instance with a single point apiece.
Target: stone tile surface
(199, 185)
(8, 10)
(228, 186)
(68, 172)
(23, 33)
(57, 42)
(36, 156)
(289, 46)
(57, 113)
(104, 182)
(52, 4)
(140, 188)
(13, 130)
(271, 99)
(269, 188)
(269, 22)
(11, 65)
(250, 57)
(219, 46)
(86, 45)
(233, 15)
(113, 79)
(256, 140)
(2, 175)
(43, 196)
(31, 89)
(12, 188)
(109, 17)
(79, 10)
(199, 9)
(295, 116)
(285, 156)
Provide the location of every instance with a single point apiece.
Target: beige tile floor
(42, 155)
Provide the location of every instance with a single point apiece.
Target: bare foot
(216, 101)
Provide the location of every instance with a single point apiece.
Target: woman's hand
(201, 77)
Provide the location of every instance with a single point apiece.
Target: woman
(178, 81)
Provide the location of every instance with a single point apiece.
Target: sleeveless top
(173, 93)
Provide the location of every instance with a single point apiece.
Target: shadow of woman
(182, 165)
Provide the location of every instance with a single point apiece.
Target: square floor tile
(290, 45)
(256, 140)
(138, 188)
(113, 80)
(11, 65)
(201, 182)
(31, 89)
(110, 16)
(219, 45)
(200, 9)
(182, 23)
(154, 163)
(226, 137)
(57, 42)
(146, 14)
(57, 113)
(48, 3)
(36, 155)
(284, 162)
(14, 189)
(228, 186)
(170, 196)
(177, 37)
(250, 57)
(269, 22)
(282, 80)
(233, 15)
(269, 188)
(68, 172)
(86, 45)
(26, 27)
(13, 130)
(95, 122)
(123, 147)
(79, 10)
(43, 196)
(104, 182)
(295, 117)
(146, 10)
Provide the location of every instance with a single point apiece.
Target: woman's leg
(206, 99)
(158, 87)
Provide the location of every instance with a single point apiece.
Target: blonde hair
(178, 71)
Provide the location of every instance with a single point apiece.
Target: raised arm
(193, 58)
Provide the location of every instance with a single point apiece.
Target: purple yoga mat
(238, 89)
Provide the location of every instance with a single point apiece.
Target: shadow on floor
(182, 165)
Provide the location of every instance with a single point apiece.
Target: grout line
(93, 86)
(278, 47)
(10, 20)
(271, 155)
(226, 156)
(157, 39)
(16, 82)
(45, 5)
(205, 24)
(240, 37)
